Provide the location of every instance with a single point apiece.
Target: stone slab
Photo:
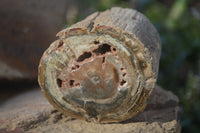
(30, 112)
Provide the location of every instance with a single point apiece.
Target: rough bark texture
(103, 68)
(31, 112)
(128, 20)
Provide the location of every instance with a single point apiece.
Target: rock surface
(31, 112)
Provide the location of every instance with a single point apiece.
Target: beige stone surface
(30, 112)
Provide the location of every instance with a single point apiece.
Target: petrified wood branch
(103, 68)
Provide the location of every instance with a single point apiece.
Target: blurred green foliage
(178, 24)
(180, 38)
(179, 71)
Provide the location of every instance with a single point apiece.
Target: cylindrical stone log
(103, 68)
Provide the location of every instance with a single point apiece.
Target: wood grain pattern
(103, 68)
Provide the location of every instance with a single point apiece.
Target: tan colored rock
(31, 112)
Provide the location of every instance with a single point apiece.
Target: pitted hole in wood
(75, 67)
(60, 44)
(84, 56)
(124, 74)
(71, 83)
(96, 42)
(123, 69)
(103, 60)
(114, 49)
(102, 49)
(122, 82)
(59, 82)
